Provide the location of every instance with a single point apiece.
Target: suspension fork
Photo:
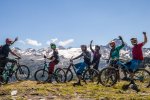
(11, 70)
(45, 65)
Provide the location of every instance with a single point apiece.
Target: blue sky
(73, 22)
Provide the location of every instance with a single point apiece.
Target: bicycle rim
(68, 75)
(41, 75)
(22, 73)
(60, 76)
(90, 75)
(142, 78)
(108, 77)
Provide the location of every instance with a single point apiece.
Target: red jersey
(137, 53)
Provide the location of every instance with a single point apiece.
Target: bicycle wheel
(41, 75)
(142, 78)
(59, 75)
(108, 77)
(22, 73)
(68, 75)
(90, 75)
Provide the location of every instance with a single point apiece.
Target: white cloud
(33, 42)
(48, 42)
(54, 40)
(66, 42)
(22, 42)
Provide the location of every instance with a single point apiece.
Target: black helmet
(134, 41)
(84, 46)
(97, 46)
(53, 46)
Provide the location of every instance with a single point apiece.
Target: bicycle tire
(90, 75)
(22, 70)
(142, 78)
(68, 75)
(41, 73)
(111, 72)
(59, 75)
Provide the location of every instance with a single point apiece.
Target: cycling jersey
(5, 51)
(56, 56)
(137, 57)
(137, 52)
(53, 63)
(87, 57)
(87, 62)
(114, 53)
(96, 58)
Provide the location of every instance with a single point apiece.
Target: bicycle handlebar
(17, 58)
(105, 59)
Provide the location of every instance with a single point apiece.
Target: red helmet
(8, 41)
(112, 43)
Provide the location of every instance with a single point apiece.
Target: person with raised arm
(96, 56)
(137, 58)
(4, 53)
(115, 51)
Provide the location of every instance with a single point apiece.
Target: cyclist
(81, 66)
(54, 60)
(137, 58)
(96, 56)
(4, 52)
(114, 52)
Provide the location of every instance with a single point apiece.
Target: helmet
(97, 46)
(8, 41)
(53, 46)
(84, 46)
(134, 40)
(112, 43)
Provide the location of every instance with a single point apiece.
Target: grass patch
(30, 89)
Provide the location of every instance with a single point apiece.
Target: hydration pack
(1, 49)
(1, 54)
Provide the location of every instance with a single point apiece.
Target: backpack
(1, 49)
(1, 54)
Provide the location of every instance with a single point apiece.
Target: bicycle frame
(45, 64)
(122, 65)
(72, 65)
(8, 69)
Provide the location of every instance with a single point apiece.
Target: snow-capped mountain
(34, 58)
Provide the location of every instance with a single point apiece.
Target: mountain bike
(88, 74)
(21, 72)
(42, 75)
(109, 76)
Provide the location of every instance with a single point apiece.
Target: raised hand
(120, 37)
(16, 39)
(91, 41)
(144, 33)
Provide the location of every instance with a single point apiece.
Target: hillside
(30, 90)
